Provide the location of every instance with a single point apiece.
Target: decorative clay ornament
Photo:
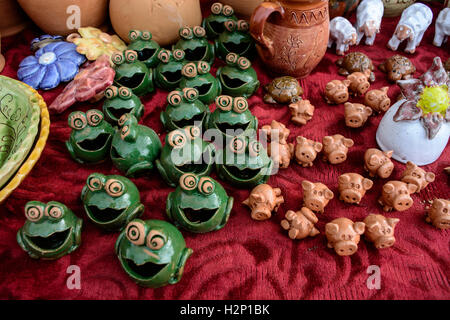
(380, 230)
(368, 20)
(194, 43)
(152, 252)
(264, 200)
(344, 235)
(378, 163)
(359, 82)
(335, 148)
(279, 149)
(235, 39)
(442, 27)
(214, 23)
(306, 151)
(167, 74)
(199, 204)
(352, 187)
(336, 91)
(146, 48)
(355, 62)
(356, 114)
(396, 195)
(50, 231)
(302, 111)
(120, 101)
(397, 67)
(111, 202)
(378, 99)
(343, 34)
(417, 176)
(316, 195)
(42, 41)
(283, 90)
(439, 214)
(301, 224)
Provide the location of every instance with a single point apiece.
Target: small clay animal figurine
(264, 200)
(439, 214)
(134, 147)
(396, 195)
(306, 151)
(368, 20)
(152, 252)
(279, 149)
(413, 23)
(195, 45)
(146, 48)
(336, 91)
(359, 82)
(355, 62)
(111, 202)
(238, 78)
(343, 235)
(302, 111)
(283, 90)
(235, 39)
(378, 163)
(442, 27)
(380, 230)
(378, 99)
(300, 224)
(398, 67)
(352, 187)
(335, 148)
(51, 230)
(214, 24)
(91, 136)
(356, 114)
(167, 74)
(343, 34)
(120, 101)
(199, 204)
(316, 195)
(417, 176)
(185, 152)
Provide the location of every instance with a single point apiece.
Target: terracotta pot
(52, 17)
(243, 9)
(12, 18)
(342, 8)
(291, 36)
(394, 8)
(163, 18)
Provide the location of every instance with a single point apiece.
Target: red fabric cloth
(246, 259)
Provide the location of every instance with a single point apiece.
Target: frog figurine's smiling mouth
(233, 83)
(196, 54)
(132, 82)
(119, 112)
(145, 54)
(172, 76)
(189, 122)
(225, 126)
(246, 174)
(104, 215)
(144, 271)
(95, 144)
(198, 216)
(238, 48)
(204, 88)
(217, 27)
(53, 242)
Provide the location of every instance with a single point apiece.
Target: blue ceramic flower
(56, 62)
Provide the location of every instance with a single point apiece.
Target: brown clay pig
(316, 196)
(356, 114)
(396, 195)
(380, 230)
(417, 176)
(335, 148)
(336, 91)
(359, 83)
(439, 214)
(343, 235)
(276, 131)
(263, 200)
(306, 151)
(300, 224)
(301, 112)
(279, 150)
(378, 99)
(378, 163)
(352, 187)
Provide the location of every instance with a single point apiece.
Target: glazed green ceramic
(152, 252)
(195, 45)
(132, 73)
(199, 204)
(238, 78)
(111, 202)
(90, 140)
(196, 75)
(167, 74)
(120, 101)
(214, 23)
(185, 151)
(235, 39)
(146, 48)
(51, 230)
(134, 147)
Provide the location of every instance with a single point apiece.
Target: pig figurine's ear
(318, 146)
(392, 221)
(367, 184)
(430, 176)
(307, 185)
(290, 215)
(374, 228)
(388, 153)
(327, 140)
(345, 178)
(385, 89)
(301, 140)
(411, 187)
(374, 160)
(309, 215)
(331, 228)
(348, 106)
(330, 85)
(438, 204)
(348, 142)
(328, 194)
(359, 227)
(410, 165)
(246, 202)
(346, 82)
(368, 111)
(388, 188)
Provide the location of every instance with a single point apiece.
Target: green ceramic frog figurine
(146, 48)
(51, 230)
(199, 204)
(111, 202)
(214, 23)
(168, 72)
(132, 73)
(238, 78)
(196, 75)
(185, 151)
(90, 140)
(236, 38)
(120, 101)
(152, 252)
(195, 45)
(134, 147)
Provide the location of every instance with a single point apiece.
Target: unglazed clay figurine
(264, 200)
(120, 101)
(335, 148)
(378, 99)
(380, 230)
(442, 27)
(279, 149)
(356, 114)
(439, 214)
(359, 82)
(50, 231)
(343, 235)
(111, 202)
(352, 187)
(302, 111)
(194, 43)
(378, 163)
(146, 48)
(336, 91)
(167, 74)
(214, 23)
(306, 151)
(368, 20)
(316, 195)
(283, 90)
(300, 224)
(417, 176)
(343, 34)
(152, 252)
(91, 136)
(413, 23)
(397, 67)
(235, 39)
(355, 62)
(199, 204)
(396, 195)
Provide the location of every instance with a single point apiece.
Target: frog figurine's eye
(77, 120)
(134, 35)
(54, 211)
(123, 119)
(240, 105)
(203, 67)
(192, 132)
(199, 32)
(254, 148)
(206, 185)
(33, 212)
(216, 8)
(118, 58)
(136, 232)
(224, 103)
(230, 25)
(231, 58)
(190, 94)
(125, 93)
(155, 240)
(94, 182)
(124, 132)
(177, 139)
(146, 35)
(188, 181)
(227, 11)
(164, 56)
(189, 70)
(175, 98)
(111, 92)
(94, 117)
(244, 63)
(238, 145)
(178, 54)
(242, 25)
(131, 56)
(186, 33)
(114, 188)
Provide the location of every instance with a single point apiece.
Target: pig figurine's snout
(384, 242)
(351, 196)
(402, 203)
(385, 170)
(345, 248)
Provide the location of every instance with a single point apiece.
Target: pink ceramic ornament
(343, 34)
(368, 20)
(442, 27)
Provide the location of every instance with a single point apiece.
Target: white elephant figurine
(442, 27)
(368, 20)
(343, 33)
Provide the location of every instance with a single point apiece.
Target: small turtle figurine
(398, 67)
(355, 62)
(283, 90)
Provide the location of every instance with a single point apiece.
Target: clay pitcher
(291, 36)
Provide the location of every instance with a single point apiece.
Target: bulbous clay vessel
(291, 36)
(163, 18)
(243, 9)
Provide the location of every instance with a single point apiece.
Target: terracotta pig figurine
(359, 82)
(378, 99)
(335, 148)
(439, 214)
(343, 235)
(343, 34)
(417, 176)
(378, 163)
(263, 200)
(442, 27)
(352, 187)
(316, 195)
(396, 195)
(356, 114)
(300, 224)
(279, 150)
(301, 111)
(336, 91)
(306, 151)
(368, 20)
(380, 230)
